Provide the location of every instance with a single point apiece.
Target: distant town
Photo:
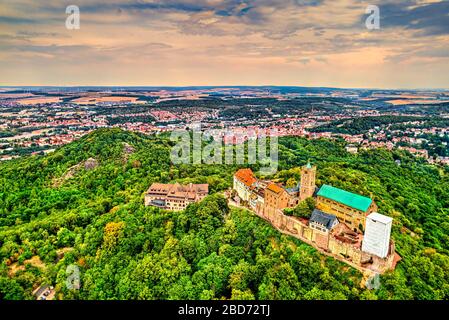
(36, 120)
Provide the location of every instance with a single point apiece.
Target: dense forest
(432, 109)
(363, 124)
(83, 205)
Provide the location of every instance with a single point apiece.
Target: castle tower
(308, 173)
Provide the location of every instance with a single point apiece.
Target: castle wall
(321, 239)
(270, 208)
(327, 242)
(345, 250)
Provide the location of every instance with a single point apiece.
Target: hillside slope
(83, 205)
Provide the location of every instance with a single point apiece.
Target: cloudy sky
(225, 42)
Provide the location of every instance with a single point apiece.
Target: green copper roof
(347, 198)
(309, 166)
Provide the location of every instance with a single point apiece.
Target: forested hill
(83, 205)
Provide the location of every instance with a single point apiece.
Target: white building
(377, 234)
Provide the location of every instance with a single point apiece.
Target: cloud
(424, 54)
(428, 19)
(271, 41)
(16, 20)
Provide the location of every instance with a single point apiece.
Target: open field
(39, 100)
(399, 102)
(94, 100)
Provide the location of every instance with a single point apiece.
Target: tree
(303, 209)
(112, 233)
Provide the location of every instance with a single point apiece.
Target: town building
(377, 234)
(175, 197)
(349, 207)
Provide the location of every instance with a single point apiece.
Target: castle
(344, 225)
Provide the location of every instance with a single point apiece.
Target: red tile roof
(274, 187)
(246, 176)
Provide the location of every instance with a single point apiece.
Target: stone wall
(326, 242)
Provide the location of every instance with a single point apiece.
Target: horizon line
(220, 86)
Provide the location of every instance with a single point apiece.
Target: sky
(225, 42)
